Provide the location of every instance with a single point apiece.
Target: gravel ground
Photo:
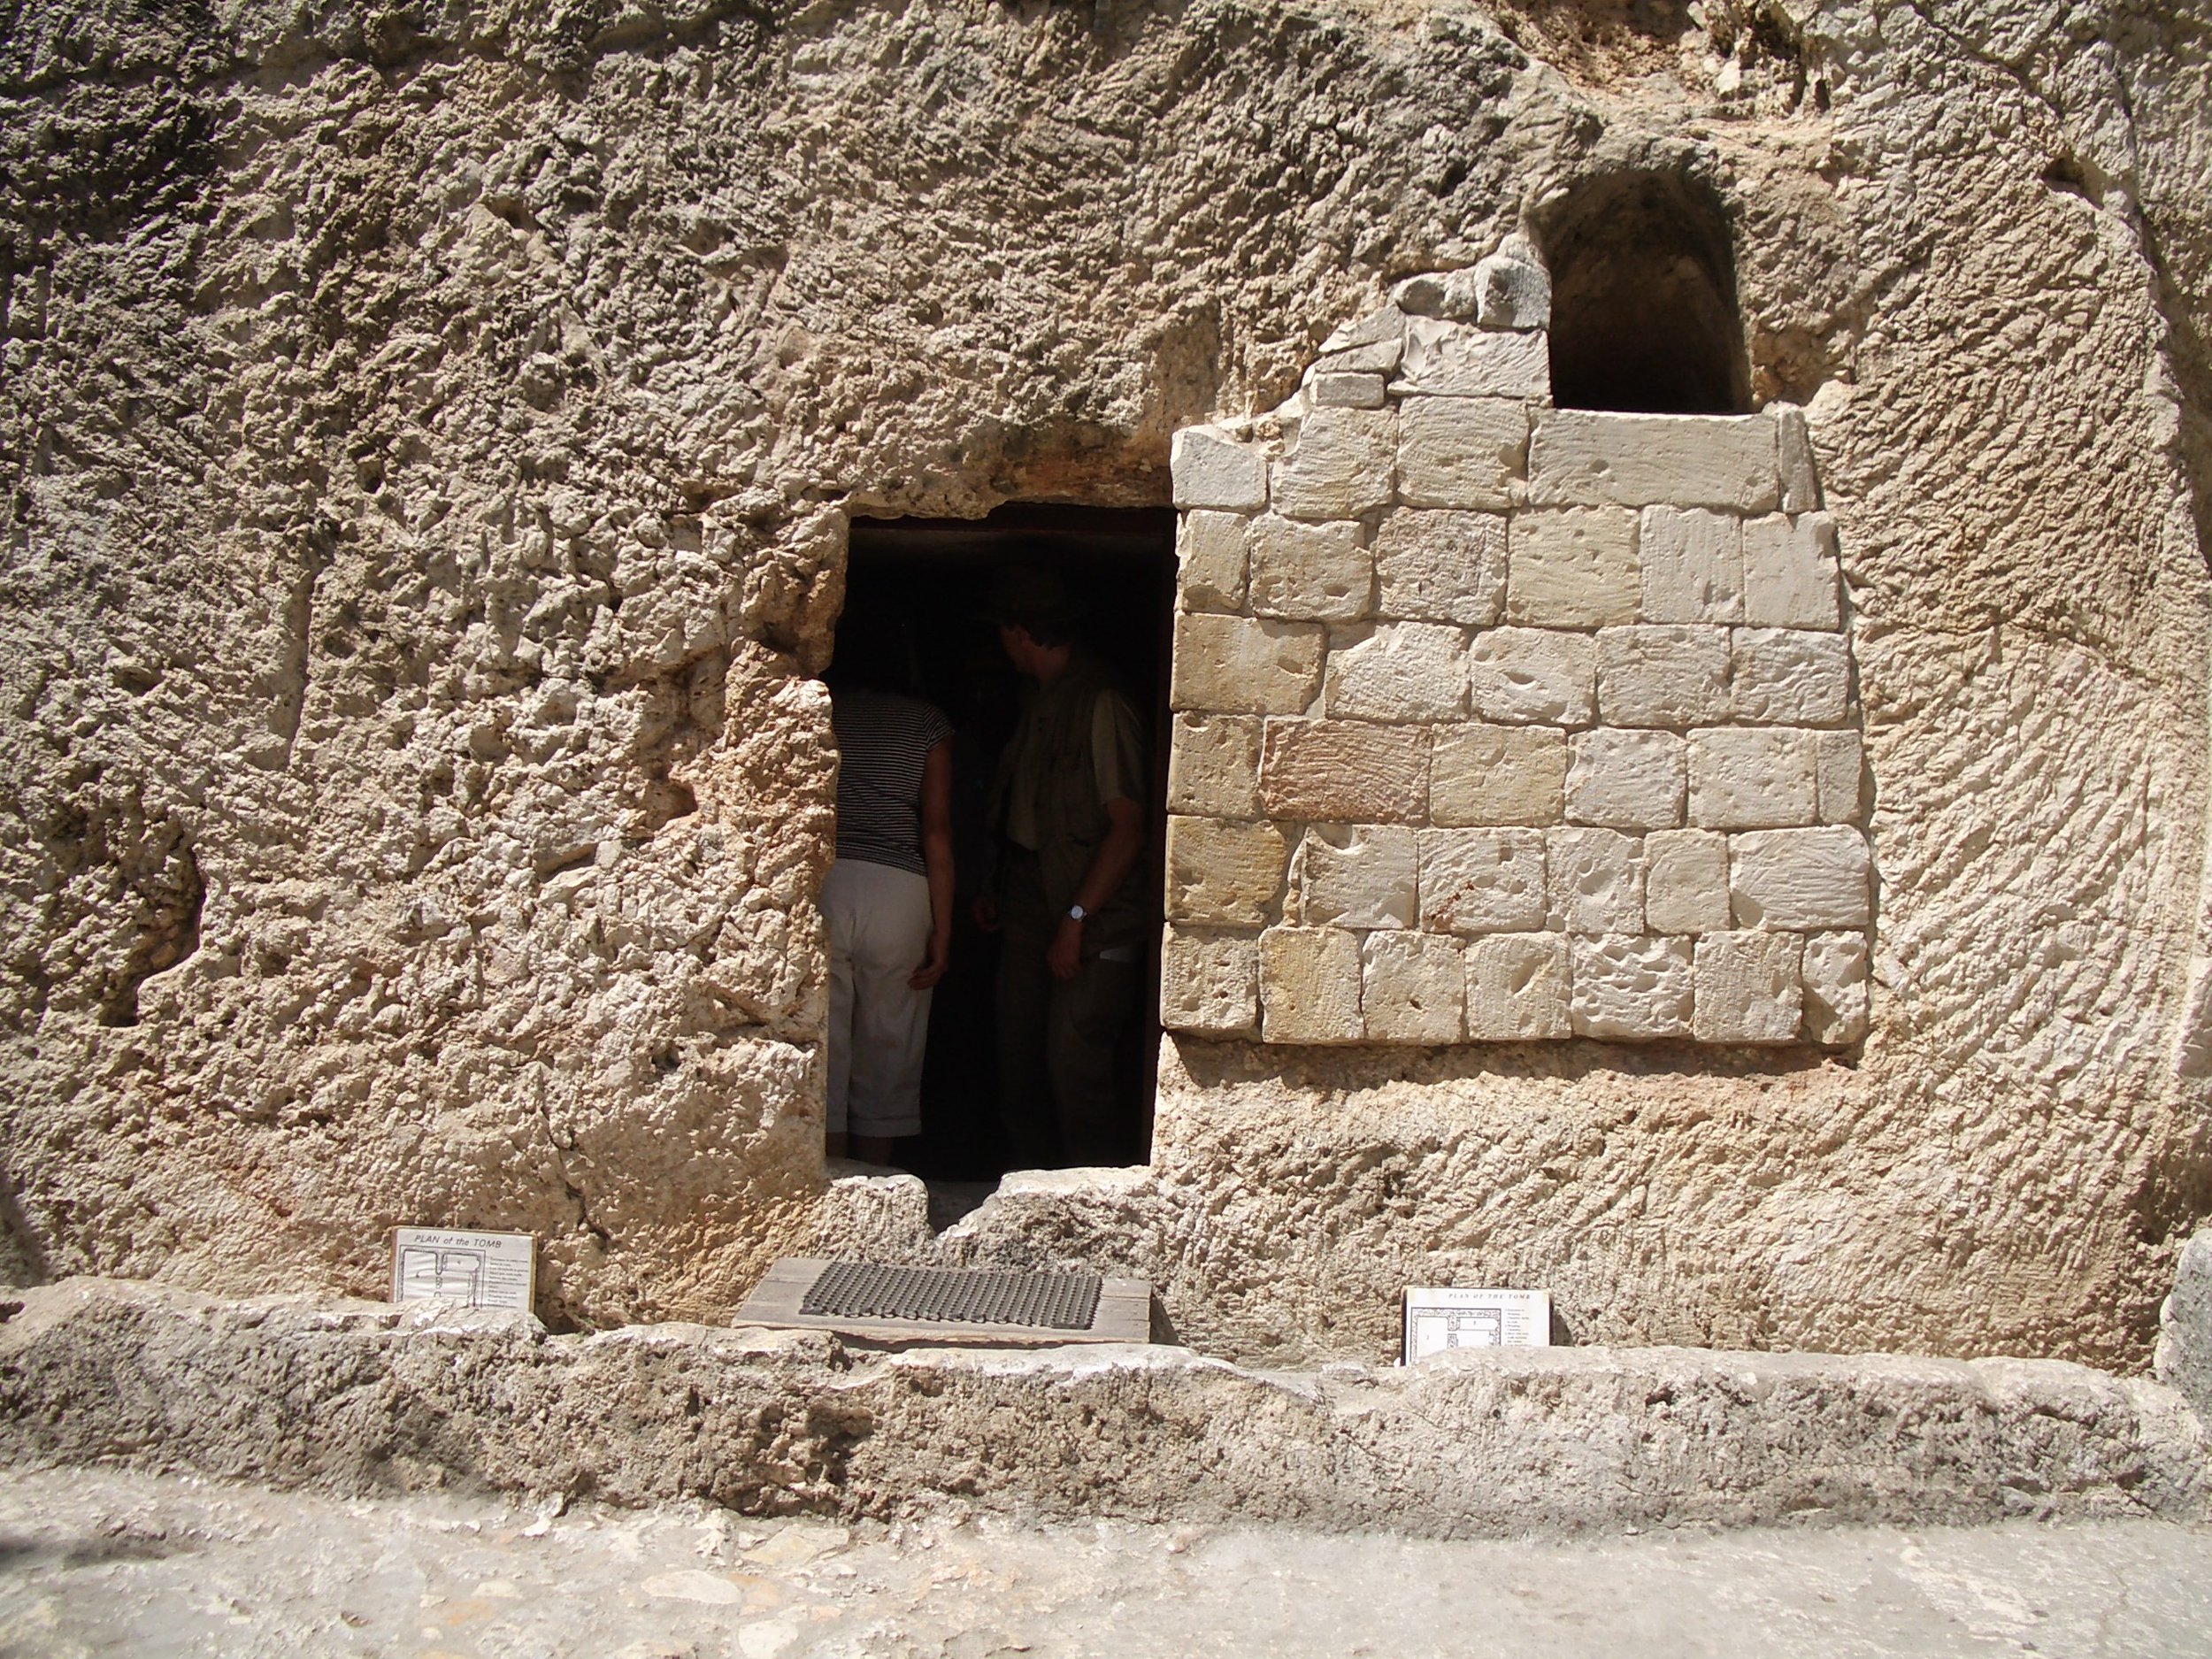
(97, 1562)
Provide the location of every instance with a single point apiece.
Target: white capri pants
(879, 1025)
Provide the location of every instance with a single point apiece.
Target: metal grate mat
(861, 1290)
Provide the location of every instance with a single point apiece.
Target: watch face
(1076, 913)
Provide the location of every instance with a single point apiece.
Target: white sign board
(482, 1269)
(1438, 1320)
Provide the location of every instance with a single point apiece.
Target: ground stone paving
(99, 1562)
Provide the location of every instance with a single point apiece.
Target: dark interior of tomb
(929, 578)
(1644, 298)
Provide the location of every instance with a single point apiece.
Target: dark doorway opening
(930, 580)
(1644, 314)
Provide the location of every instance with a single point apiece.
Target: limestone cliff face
(429, 435)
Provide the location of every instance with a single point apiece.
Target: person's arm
(937, 861)
(1117, 855)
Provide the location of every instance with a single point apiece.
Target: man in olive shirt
(1068, 821)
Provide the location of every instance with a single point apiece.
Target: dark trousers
(1056, 1042)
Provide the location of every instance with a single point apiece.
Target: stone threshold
(358, 1398)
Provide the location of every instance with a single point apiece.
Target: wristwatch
(1076, 913)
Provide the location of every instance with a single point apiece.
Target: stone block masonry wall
(1497, 722)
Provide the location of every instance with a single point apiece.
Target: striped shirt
(882, 741)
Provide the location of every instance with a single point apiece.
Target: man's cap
(1030, 595)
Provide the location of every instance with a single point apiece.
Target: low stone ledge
(357, 1397)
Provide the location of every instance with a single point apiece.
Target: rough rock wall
(428, 430)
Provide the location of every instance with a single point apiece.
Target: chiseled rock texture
(428, 434)
(351, 1398)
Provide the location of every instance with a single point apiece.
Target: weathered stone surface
(1576, 456)
(1662, 675)
(1747, 987)
(1238, 665)
(1482, 880)
(1572, 570)
(1213, 766)
(1593, 881)
(1790, 677)
(1415, 989)
(1691, 564)
(1212, 470)
(1804, 879)
(1210, 551)
(1838, 775)
(1514, 292)
(1362, 877)
(1497, 774)
(1801, 482)
(1344, 772)
(1835, 971)
(1397, 671)
(1308, 571)
(1209, 984)
(1461, 451)
(1223, 875)
(1342, 466)
(1348, 391)
(1456, 359)
(1310, 985)
(1789, 572)
(1625, 779)
(1632, 989)
(1441, 566)
(1752, 778)
(1686, 881)
(2184, 1328)
(1517, 987)
(1534, 676)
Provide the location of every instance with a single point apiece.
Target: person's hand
(1065, 957)
(934, 965)
(986, 912)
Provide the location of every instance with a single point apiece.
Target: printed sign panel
(1438, 1320)
(479, 1270)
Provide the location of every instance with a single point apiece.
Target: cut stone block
(1582, 457)
(1497, 774)
(1751, 776)
(1213, 766)
(1691, 564)
(1223, 875)
(1461, 451)
(1236, 665)
(1534, 676)
(1593, 881)
(1457, 359)
(1347, 391)
(1210, 984)
(1370, 343)
(1800, 879)
(1304, 572)
(1686, 881)
(1210, 556)
(1441, 566)
(1341, 466)
(1359, 877)
(1662, 675)
(1517, 987)
(1512, 292)
(1835, 973)
(1572, 570)
(1310, 985)
(1448, 294)
(1210, 469)
(1625, 780)
(1415, 989)
(1398, 672)
(1801, 482)
(1789, 677)
(1344, 772)
(1482, 880)
(1789, 572)
(1632, 989)
(1838, 770)
(1747, 987)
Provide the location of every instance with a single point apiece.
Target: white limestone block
(1801, 482)
(1210, 561)
(1625, 780)
(1222, 875)
(1691, 564)
(1482, 880)
(1789, 676)
(1747, 987)
(1583, 457)
(1209, 984)
(1438, 565)
(1482, 774)
(1456, 359)
(1344, 772)
(1236, 665)
(1447, 294)
(1461, 451)
(1751, 776)
(1211, 468)
(1686, 881)
(1838, 770)
(1512, 292)
(1662, 675)
(1572, 570)
(1631, 988)
(1310, 986)
(1398, 672)
(1835, 972)
(1340, 466)
(1789, 572)
(1517, 987)
(1415, 989)
(1383, 327)
(1307, 570)
(1346, 391)
(1534, 676)
(1802, 879)
(1213, 766)
(1593, 881)
(1355, 876)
